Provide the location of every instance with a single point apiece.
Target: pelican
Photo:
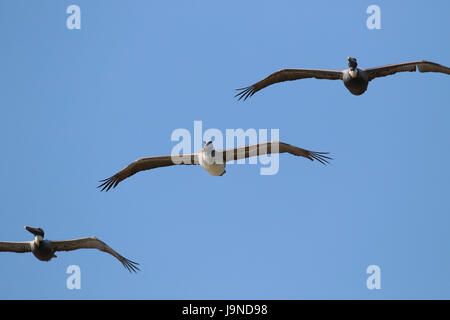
(355, 79)
(213, 161)
(44, 250)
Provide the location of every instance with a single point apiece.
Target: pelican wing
(271, 147)
(423, 66)
(146, 164)
(93, 243)
(287, 75)
(19, 247)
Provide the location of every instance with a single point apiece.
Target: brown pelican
(355, 79)
(45, 250)
(213, 161)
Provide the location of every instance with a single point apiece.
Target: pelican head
(208, 146)
(38, 234)
(352, 64)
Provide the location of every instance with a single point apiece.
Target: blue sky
(78, 105)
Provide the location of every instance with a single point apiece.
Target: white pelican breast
(353, 73)
(208, 161)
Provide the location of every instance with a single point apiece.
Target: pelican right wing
(93, 243)
(288, 75)
(269, 148)
(19, 247)
(423, 66)
(146, 164)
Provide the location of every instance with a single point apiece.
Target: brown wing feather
(423, 66)
(19, 247)
(272, 147)
(93, 243)
(145, 164)
(287, 75)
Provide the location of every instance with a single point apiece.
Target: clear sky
(79, 105)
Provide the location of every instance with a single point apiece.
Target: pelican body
(355, 79)
(44, 250)
(208, 161)
(41, 249)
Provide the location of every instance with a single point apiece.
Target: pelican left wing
(271, 147)
(423, 66)
(146, 164)
(19, 247)
(287, 75)
(93, 243)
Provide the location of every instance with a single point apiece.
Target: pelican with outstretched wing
(44, 250)
(213, 161)
(355, 79)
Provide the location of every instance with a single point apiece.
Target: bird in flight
(355, 79)
(213, 161)
(44, 250)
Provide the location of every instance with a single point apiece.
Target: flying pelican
(355, 79)
(213, 161)
(45, 250)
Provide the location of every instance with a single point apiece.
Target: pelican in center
(210, 159)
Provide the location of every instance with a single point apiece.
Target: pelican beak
(32, 230)
(37, 232)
